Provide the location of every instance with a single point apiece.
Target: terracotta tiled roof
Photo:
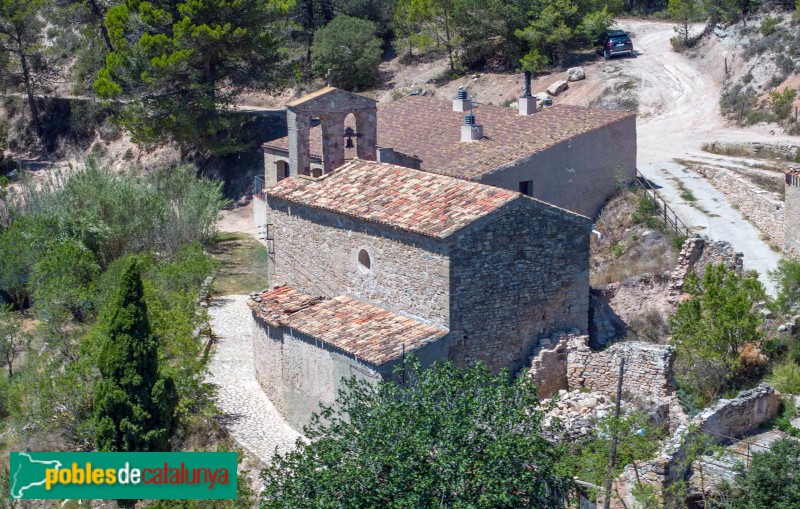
(366, 331)
(412, 200)
(430, 129)
(276, 306)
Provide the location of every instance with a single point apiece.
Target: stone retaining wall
(792, 213)
(764, 209)
(786, 151)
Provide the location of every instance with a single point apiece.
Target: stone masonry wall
(733, 417)
(648, 367)
(316, 252)
(299, 373)
(312, 372)
(792, 218)
(764, 209)
(517, 276)
(268, 359)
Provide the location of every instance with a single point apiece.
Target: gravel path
(251, 418)
(679, 99)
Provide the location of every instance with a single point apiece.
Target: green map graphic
(122, 475)
(29, 473)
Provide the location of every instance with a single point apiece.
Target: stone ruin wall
(648, 368)
(763, 208)
(549, 365)
(566, 362)
(729, 418)
(696, 254)
(787, 151)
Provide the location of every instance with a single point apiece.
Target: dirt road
(679, 111)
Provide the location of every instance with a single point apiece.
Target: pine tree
(134, 405)
(185, 62)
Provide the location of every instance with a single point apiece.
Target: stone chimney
(471, 131)
(462, 102)
(527, 103)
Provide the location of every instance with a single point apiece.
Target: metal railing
(665, 212)
(258, 187)
(735, 441)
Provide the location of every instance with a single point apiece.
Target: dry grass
(244, 264)
(726, 150)
(628, 248)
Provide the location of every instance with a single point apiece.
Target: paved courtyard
(252, 419)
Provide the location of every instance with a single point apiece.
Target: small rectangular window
(526, 187)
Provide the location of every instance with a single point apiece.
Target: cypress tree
(134, 405)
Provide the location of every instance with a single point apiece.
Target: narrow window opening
(282, 170)
(526, 187)
(364, 260)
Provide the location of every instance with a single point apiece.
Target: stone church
(384, 253)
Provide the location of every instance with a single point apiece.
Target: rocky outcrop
(605, 325)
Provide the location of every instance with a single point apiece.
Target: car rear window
(619, 38)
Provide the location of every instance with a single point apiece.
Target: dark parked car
(614, 42)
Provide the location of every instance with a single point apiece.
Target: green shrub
(770, 479)
(448, 437)
(711, 330)
(782, 102)
(645, 213)
(786, 377)
(787, 281)
(349, 48)
(63, 279)
(769, 25)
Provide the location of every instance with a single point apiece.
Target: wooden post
(613, 455)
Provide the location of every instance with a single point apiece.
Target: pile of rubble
(576, 411)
